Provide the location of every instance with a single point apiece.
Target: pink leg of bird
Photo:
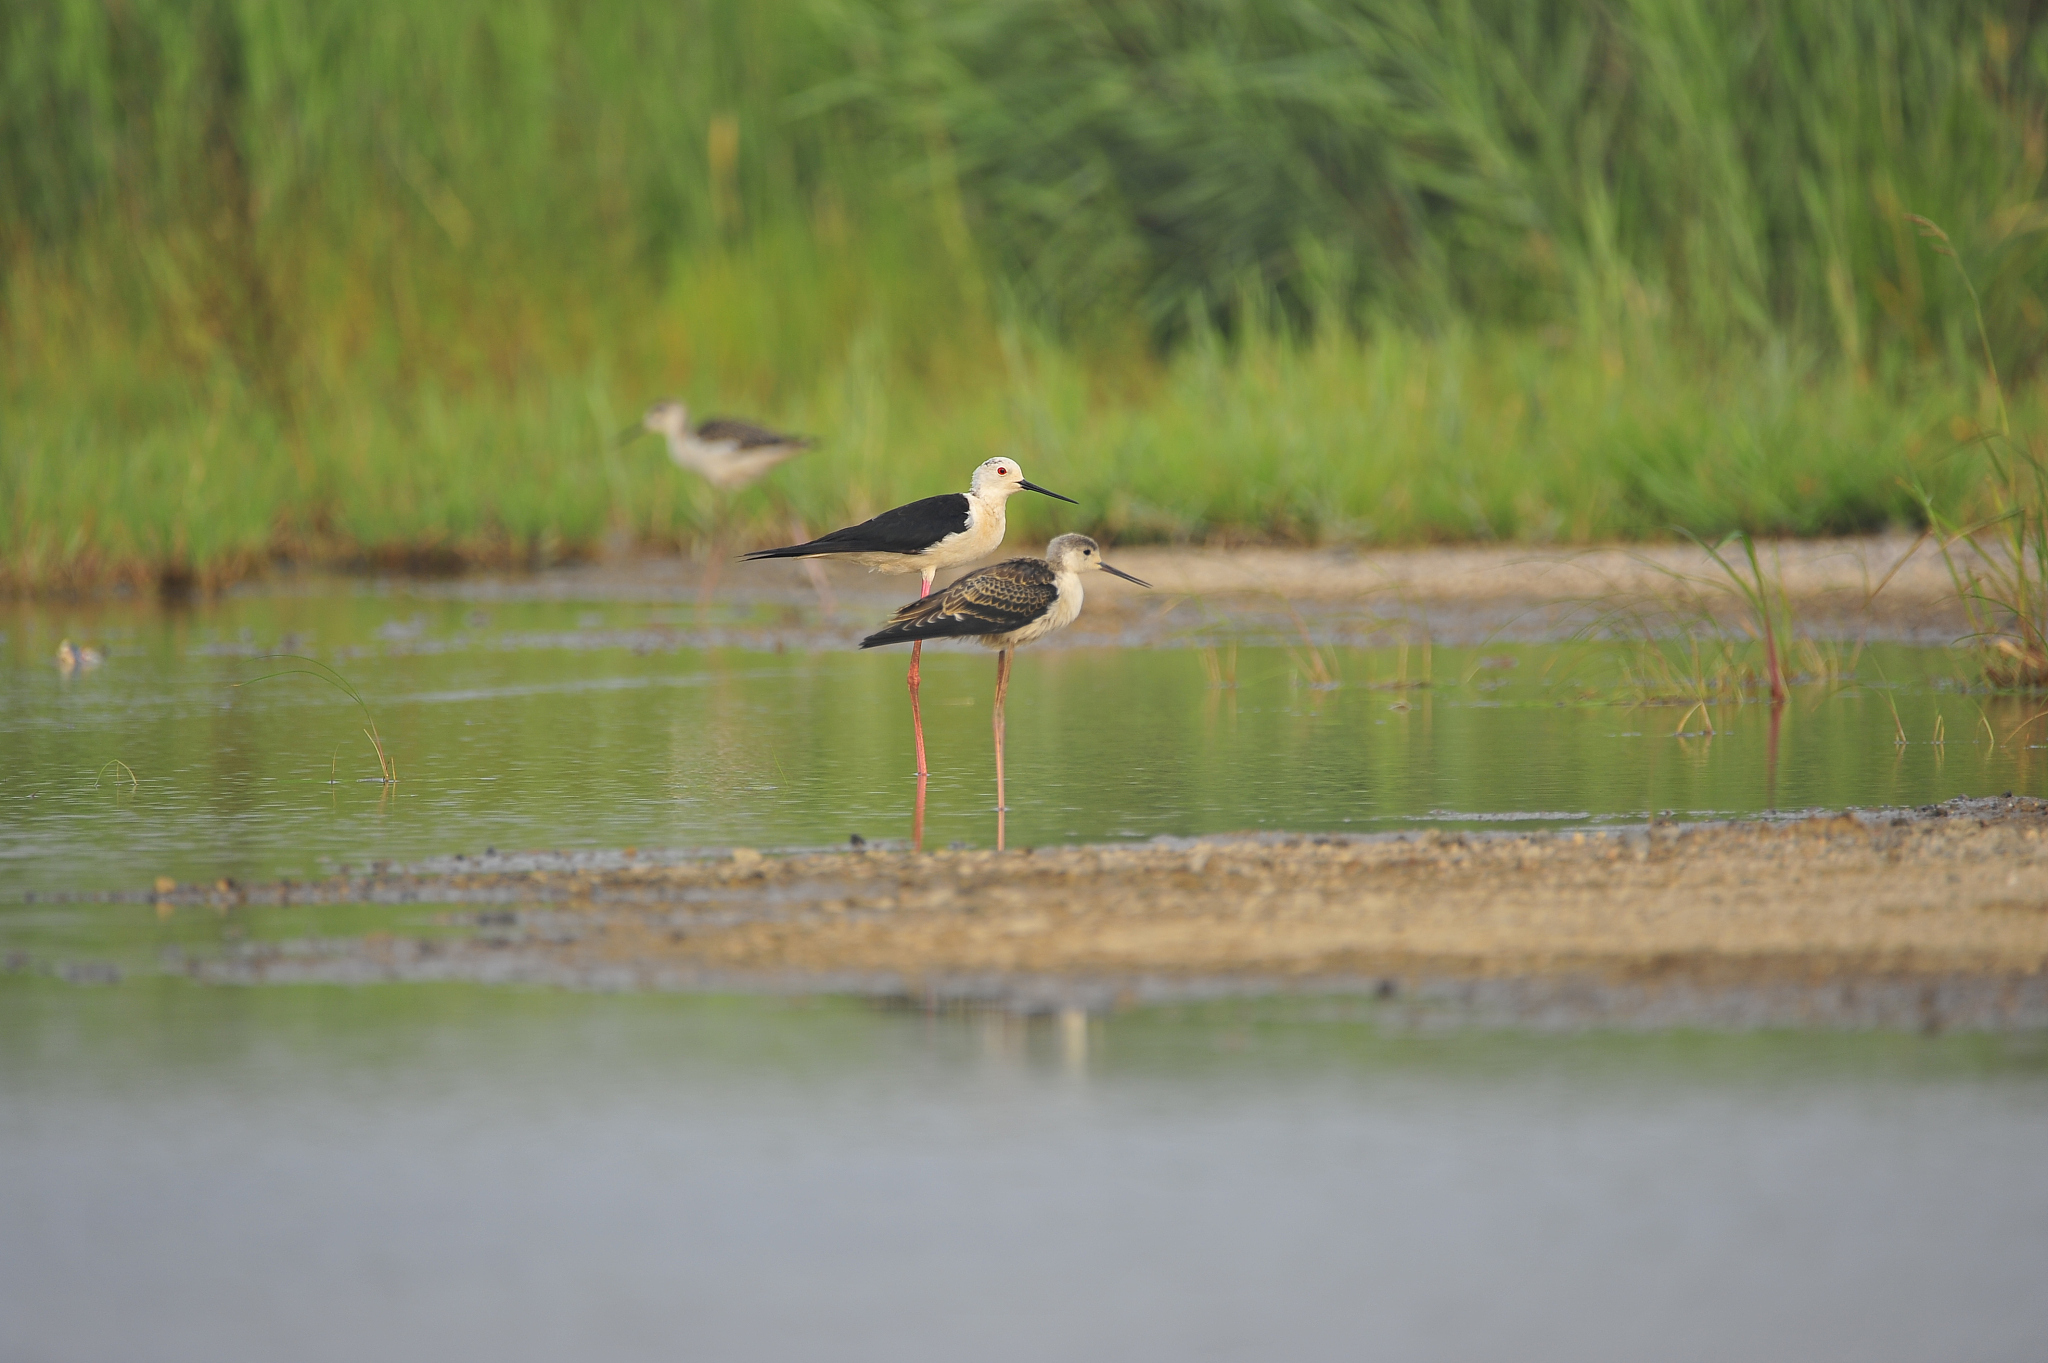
(1002, 689)
(924, 589)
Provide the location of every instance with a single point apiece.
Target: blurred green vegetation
(376, 282)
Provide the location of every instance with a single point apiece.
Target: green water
(435, 1171)
(539, 724)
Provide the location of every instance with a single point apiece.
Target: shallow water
(543, 723)
(439, 1171)
(436, 1172)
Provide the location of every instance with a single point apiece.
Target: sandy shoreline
(1936, 917)
(1870, 588)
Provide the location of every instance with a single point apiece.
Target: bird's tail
(786, 551)
(918, 620)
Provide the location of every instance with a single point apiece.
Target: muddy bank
(1890, 587)
(1937, 917)
(1873, 587)
(1878, 588)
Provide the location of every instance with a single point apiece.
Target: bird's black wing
(993, 600)
(907, 529)
(746, 434)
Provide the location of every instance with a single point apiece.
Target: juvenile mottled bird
(924, 536)
(728, 454)
(1003, 606)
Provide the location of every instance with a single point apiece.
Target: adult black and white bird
(725, 452)
(1004, 606)
(728, 454)
(924, 536)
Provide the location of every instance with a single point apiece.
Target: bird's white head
(999, 478)
(668, 418)
(1079, 554)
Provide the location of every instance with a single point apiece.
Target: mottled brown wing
(745, 434)
(994, 600)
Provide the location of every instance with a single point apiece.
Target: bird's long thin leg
(826, 602)
(917, 817)
(1002, 690)
(721, 507)
(917, 714)
(924, 589)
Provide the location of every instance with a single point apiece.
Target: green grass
(1389, 439)
(373, 284)
(2002, 577)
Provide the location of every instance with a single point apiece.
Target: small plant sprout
(1220, 666)
(127, 770)
(1898, 725)
(2025, 725)
(2002, 577)
(1311, 670)
(1679, 650)
(1765, 600)
(1311, 661)
(387, 766)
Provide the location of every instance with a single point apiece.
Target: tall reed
(1739, 167)
(369, 282)
(1999, 562)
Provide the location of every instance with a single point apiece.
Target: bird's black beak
(1118, 572)
(1030, 486)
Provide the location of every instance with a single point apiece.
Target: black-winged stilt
(922, 537)
(1003, 606)
(726, 453)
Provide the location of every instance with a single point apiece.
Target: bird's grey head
(669, 418)
(1079, 554)
(997, 479)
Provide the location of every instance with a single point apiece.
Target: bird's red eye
(1002, 472)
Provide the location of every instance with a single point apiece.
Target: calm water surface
(549, 724)
(433, 1173)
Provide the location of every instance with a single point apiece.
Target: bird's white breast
(723, 463)
(983, 536)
